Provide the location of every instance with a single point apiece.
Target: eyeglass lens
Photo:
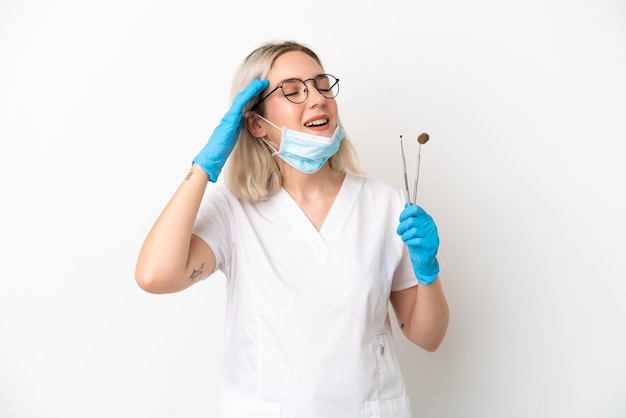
(296, 90)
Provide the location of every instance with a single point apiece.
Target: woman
(313, 251)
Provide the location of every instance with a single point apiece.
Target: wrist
(205, 165)
(196, 172)
(428, 272)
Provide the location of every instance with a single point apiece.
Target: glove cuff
(427, 274)
(210, 168)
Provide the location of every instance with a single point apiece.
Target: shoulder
(218, 198)
(219, 189)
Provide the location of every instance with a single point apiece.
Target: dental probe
(421, 139)
(406, 180)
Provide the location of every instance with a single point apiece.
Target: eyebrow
(300, 79)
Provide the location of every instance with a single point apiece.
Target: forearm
(429, 316)
(163, 258)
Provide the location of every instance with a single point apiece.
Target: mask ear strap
(270, 146)
(268, 121)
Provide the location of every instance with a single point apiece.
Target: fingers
(426, 236)
(412, 210)
(414, 216)
(255, 87)
(418, 229)
(428, 246)
(233, 119)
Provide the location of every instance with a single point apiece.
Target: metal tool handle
(407, 196)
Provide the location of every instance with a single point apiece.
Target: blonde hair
(251, 172)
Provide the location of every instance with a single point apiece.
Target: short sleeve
(404, 277)
(214, 222)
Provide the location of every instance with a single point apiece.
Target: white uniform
(307, 328)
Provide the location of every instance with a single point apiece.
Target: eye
(323, 83)
(327, 85)
(293, 88)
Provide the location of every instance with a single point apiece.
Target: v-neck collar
(323, 240)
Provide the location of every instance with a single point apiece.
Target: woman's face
(316, 115)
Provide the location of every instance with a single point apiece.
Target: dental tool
(421, 139)
(407, 196)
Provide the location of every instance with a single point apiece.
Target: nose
(314, 96)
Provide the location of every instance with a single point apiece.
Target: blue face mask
(305, 152)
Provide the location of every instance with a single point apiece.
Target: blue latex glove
(419, 232)
(214, 154)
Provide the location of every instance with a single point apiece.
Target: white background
(104, 104)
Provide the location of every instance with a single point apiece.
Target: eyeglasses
(296, 91)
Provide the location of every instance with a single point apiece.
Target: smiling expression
(316, 115)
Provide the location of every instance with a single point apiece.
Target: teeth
(317, 122)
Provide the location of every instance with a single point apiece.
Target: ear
(254, 126)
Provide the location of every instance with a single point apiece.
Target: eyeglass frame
(280, 86)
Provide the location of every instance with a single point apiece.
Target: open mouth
(316, 123)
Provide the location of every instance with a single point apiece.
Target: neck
(301, 186)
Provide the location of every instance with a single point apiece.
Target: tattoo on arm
(189, 174)
(196, 273)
